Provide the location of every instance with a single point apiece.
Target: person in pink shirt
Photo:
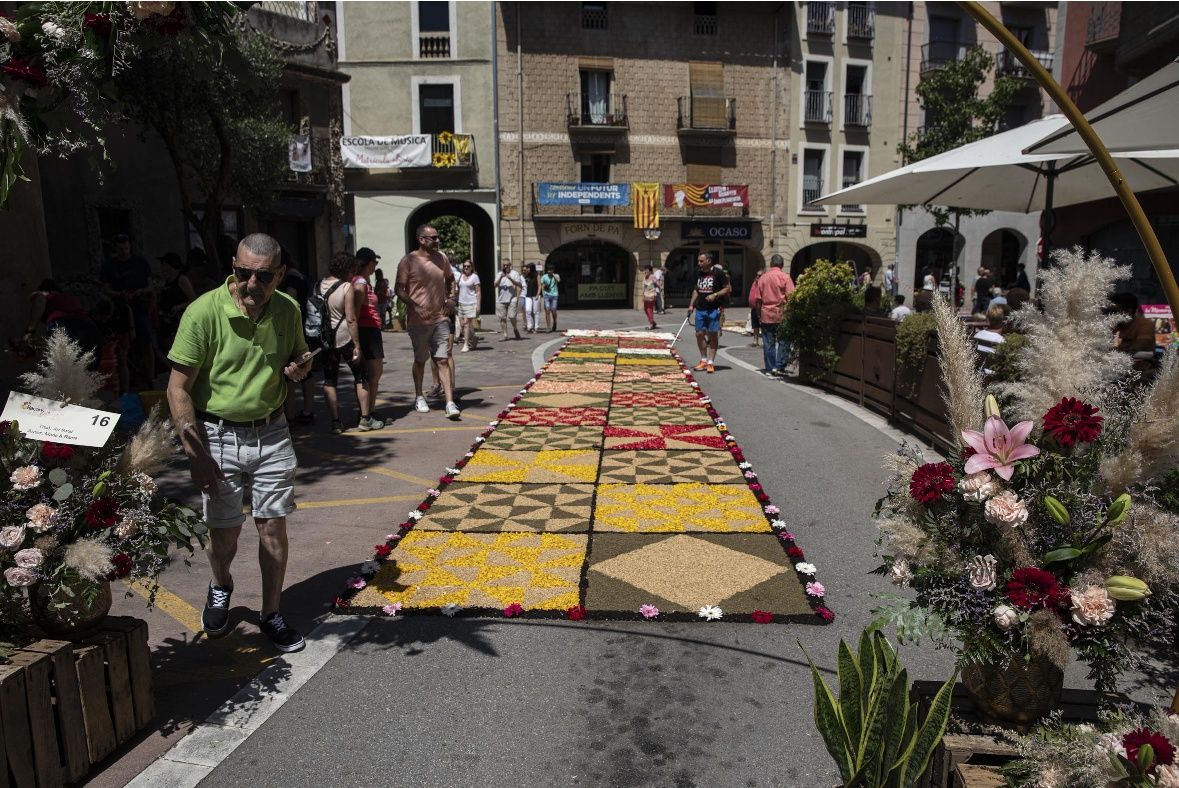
(768, 296)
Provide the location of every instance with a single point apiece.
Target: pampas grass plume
(1069, 352)
(150, 449)
(961, 378)
(1153, 445)
(1047, 638)
(90, 558)
(63, 373)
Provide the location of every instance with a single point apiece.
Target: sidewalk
(431, 701)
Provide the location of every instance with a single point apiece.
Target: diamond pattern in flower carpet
(511, 507)
(551, 417)
(674, 508)
(564, 400)
(653, 417)
(668, 467)
(661, 399)
(665, 436)
(494, 465)
(526, 437)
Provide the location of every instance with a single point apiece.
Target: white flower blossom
(450, 608)
(710, 613)
(978, 487)
(1005, 617)
(804, 568)
(415, 515)
(983, 572)
(900, 574)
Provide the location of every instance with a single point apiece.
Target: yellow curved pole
(1129, 201)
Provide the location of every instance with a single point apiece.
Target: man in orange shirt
(769, 295)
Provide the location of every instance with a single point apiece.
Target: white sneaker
(452, 411)
(420, 405)
(464, 349)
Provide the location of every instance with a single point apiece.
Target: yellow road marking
(175, 607)
(377, 469)
(357, 501)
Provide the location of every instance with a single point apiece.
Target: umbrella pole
(1129, 201)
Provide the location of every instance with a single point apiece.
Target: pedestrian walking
(550, 285)
(771, 291)
(436, 390)
(650, 295)
(754, 312)
(294, 284)
(660, 279)
(890, 281)
(508, 286)
(711, 291)
(384, 298)
(425, 283)
(232, 350)
(372, 342)
(531, 298)
(469, 294)
(337, 323)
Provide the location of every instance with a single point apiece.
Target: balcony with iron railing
(434, 46)
(861, 22)
(820, 19)
(938, 54)
(603, 114)
(302, 11)
(816, 106)
(812, 189)
(857, 110)
(451, 151)
(848, 182)
(627, 211)
(1009, 65)
(706, 115)
(1104, 27)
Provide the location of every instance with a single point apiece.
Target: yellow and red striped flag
(646, 197)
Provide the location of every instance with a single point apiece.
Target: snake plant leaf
(828, 721)
(851, 684)
(897, 709)
(916, 758)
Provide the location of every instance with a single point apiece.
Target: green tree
(956, 113)
(454, 237)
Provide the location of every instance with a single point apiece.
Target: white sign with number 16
(47, 420)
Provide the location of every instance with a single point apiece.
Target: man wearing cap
(234, 346)
(425, 282)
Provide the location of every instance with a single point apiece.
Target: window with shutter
(707, 81)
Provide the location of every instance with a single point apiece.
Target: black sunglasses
(264, 277)
(431, 237)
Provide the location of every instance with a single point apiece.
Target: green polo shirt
(239, 362)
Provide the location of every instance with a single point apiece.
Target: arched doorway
(860, 258)
(1001, 252)
(482, 238)
(594, 274)
(680, 269)
(937, 250)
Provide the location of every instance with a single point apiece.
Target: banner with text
(583, 193)
(601, 292)
(409, 150)
(698, 195)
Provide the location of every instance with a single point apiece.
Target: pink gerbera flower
(998, 447)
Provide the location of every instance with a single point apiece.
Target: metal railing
(817, 106)
(687, 211)
(848, 182)
(294, 10)
(453, 151)
(812, 189)
(580, 112)
(434, 45)
(857, 110)
(861, 21)
(1009, 65)
(706, 114)
(820, 18)
(1105, 24)
(704, 24)
(937, 54)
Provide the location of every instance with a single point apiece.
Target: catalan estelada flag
(646, 197)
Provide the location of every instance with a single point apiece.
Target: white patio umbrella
(994, 174)
(1142, 117)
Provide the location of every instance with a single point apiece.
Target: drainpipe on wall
(520, 124)
(499, 202)
(900, 215)
(774, 134)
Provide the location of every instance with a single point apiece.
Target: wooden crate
(65, 706)
(969, 776)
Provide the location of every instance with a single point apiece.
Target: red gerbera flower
(123, 566)
(1030, 588)
(342, 603)
(23, 69)
(795, 553)
(825, 614)
(57, 451)
(1071, 421)
(383, 550)
(99, 23)
(931, 482)
(762, 617)
(513, 610)
(423, 506)
(102, 513)
(1164, 752)
(576, 613)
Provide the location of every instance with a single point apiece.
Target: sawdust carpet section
(610, 483)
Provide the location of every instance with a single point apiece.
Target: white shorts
(259, 461)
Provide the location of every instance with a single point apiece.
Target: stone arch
(937, 250)
(594, 273)
(482, 238)
(860, 256)
(1001, 252)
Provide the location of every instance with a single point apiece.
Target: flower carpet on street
(608, 488)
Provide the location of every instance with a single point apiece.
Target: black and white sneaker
(284, 637)
(215, 617)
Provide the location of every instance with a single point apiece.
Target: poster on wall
(681, 194)
(583, 193)
(408, 150)
(299, 153)
(1165, 332)
(605, 291)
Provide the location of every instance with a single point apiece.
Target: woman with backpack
(332, 314)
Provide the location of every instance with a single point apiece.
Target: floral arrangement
(1125, 749)
(73, 517)
(1040, 536)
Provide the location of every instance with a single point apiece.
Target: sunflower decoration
(445, 138)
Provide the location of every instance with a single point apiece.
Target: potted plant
(825, 295)
(74, 517)
(1041, 536)
(872, 730)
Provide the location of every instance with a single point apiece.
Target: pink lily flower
(997, 447)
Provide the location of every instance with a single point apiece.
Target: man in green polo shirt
(232, 349)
